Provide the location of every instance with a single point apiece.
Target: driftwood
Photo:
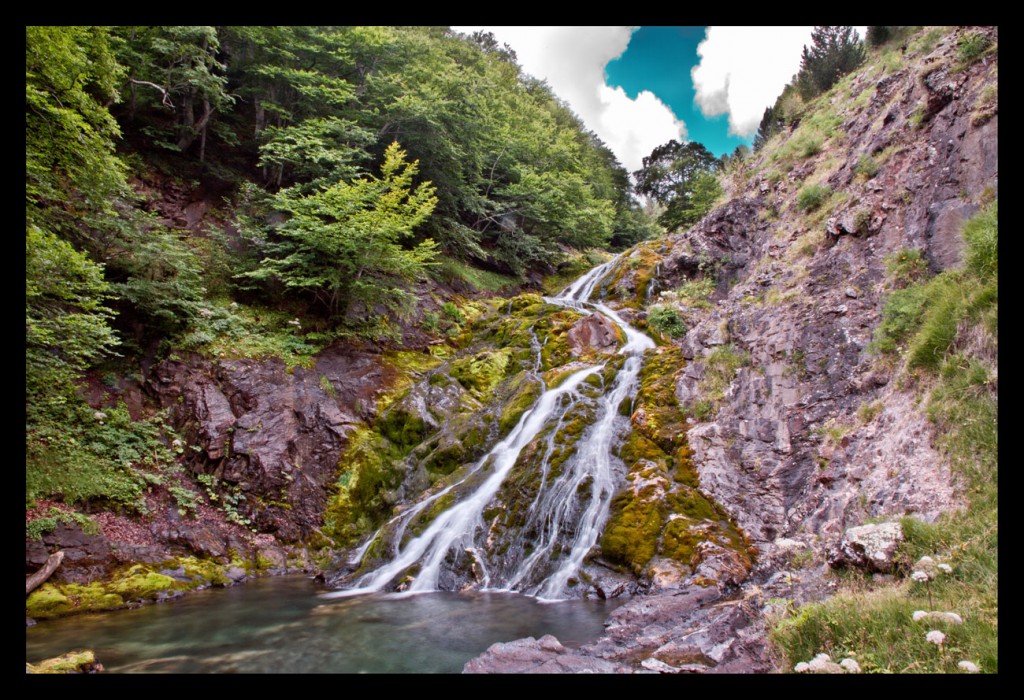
(36, 579)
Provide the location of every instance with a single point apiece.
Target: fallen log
(36, 579)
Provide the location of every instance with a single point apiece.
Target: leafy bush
(81, 455)
(666, 320)
(451, 311)
(811, 197)
(971, 46)
(697, 292)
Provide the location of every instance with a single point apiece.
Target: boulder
(869, 547)
(593, 333)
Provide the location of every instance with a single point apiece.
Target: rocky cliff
(798, 427)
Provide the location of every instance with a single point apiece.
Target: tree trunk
(36, 579)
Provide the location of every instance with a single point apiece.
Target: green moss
(403, 427)
(72, 662)
(140, 583)
(367, 469)
(525, 396)
(446, 457)
(47, 601)
(482, 372)
(631, 535)
(204, 571)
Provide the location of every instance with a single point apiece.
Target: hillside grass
(943, 332)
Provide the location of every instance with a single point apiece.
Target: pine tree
(769, 126)
(834, 52)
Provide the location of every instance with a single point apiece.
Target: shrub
(811, 197)
(970, 47)
(666, 320)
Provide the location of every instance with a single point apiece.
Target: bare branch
(167, 96)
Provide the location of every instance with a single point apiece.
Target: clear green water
(279, 625)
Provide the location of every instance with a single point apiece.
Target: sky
(640, 87)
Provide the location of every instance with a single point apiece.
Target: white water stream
(567, 526)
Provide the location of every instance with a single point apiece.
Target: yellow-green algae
(72, 662)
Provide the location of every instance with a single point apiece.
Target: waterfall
(567, 524)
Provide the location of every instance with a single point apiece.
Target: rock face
(810, 435)
(274, 434)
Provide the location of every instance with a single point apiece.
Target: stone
(593, 333)
(870, 547)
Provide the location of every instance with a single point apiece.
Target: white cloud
(572, 60)
(742, 70)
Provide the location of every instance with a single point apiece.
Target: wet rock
(236, 574)
(593, 333)
(529, 655)
(870, 547)
(713, 562)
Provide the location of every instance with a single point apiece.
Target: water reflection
(280, 625)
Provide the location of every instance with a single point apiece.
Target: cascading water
(567, 514)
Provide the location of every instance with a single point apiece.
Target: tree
(671, 175)
(180, 65)
(344, 244)
(769, 126)
(834, 52)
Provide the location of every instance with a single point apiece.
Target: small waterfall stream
(567, 514)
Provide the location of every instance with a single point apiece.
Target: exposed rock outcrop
(276, 434)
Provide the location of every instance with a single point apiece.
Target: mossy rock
(481, 373)
(446, 457)
(142, 584)
(204, 571)
(47, 601)
(634, 526)
(526, 391)
(72, 662)
(402, 427)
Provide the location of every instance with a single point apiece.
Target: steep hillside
(819, 397)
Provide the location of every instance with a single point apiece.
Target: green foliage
(449, 270)
(680, 176)
(451, 311)
(982, 235)
(876, 36)
(37, 527)
(66, 321)
(344, 244)
(173, 71)
(666, 320)
(77, 454)
(970, 47)
(811, 197)
(906, 266)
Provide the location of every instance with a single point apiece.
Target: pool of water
(280, 625)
